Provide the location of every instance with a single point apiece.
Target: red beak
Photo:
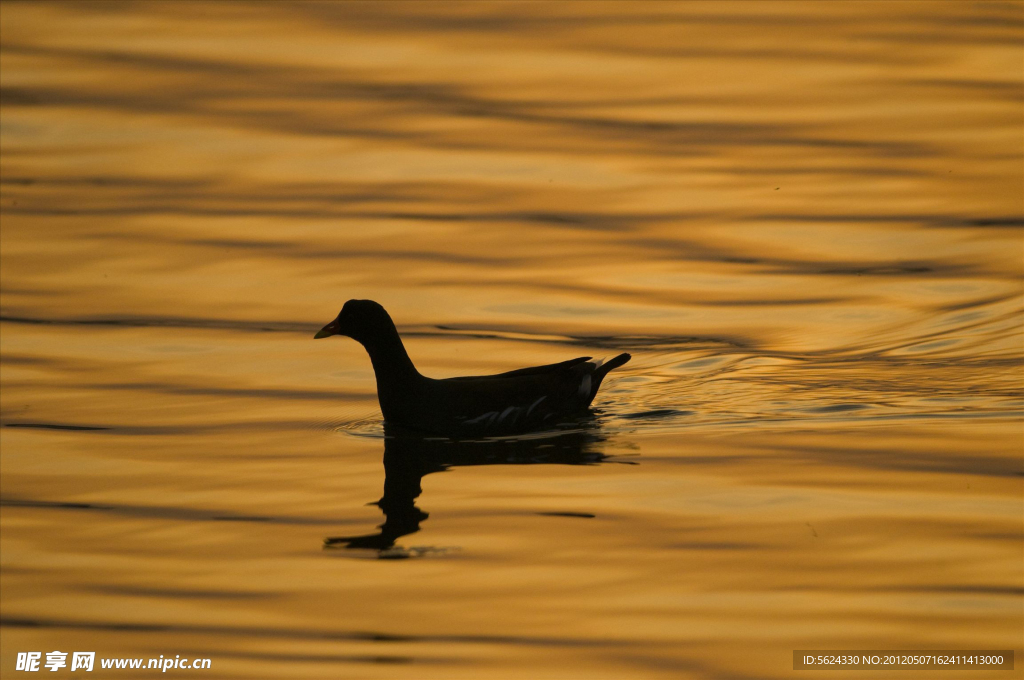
(327, 331)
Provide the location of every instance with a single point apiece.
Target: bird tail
(611, 365)
(602, 370)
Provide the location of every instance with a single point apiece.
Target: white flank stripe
(585, 386)
(533, 406)
(489, 415)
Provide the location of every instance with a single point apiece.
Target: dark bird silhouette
(408, 458)
(473, 406)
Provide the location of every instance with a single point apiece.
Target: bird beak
(327, 331)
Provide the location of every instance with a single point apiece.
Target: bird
(520, 401)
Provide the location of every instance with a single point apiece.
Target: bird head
(360, 320)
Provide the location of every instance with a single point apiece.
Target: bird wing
(535, 370)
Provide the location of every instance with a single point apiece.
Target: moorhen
(473, 406)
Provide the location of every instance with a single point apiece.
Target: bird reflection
(408, 458)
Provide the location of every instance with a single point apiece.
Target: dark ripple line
(930, 220)
(308, 634)
(378, 18)
(635, 342)
(590, 221)
(581, 515)
(167, 430)
(56, 426)
(325, 658)
(661, 413)
(673, 297)
(953, 589)
(979, 302)
(507, 20)
(171, 512)
(272, 393)
(600, 341)
(656, 136)
(274, 80)
(989, 466)
(692, 250)
(1001, 88)
(175, 593)
(169, 322)
(649, 342)
(121, 182)
(733, 421)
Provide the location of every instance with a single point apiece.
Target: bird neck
(392, 367)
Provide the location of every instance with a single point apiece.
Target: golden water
(803, 220)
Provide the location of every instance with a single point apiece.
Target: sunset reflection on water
(803, 220)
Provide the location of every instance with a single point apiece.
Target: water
(803, 221)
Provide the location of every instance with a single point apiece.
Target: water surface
(803, 221)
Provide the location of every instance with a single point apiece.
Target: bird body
(473, 406)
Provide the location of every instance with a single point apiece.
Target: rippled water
(802, 220)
